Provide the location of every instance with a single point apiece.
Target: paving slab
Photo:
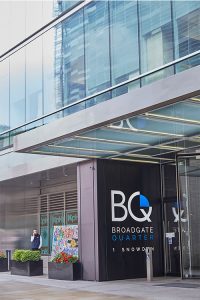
(41, 288)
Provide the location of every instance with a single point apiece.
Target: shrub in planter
(3, 262)
(26, 255)
(27, 263)
(2, 255)
(64, 267)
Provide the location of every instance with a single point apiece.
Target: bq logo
(145, 208)
(176, 215)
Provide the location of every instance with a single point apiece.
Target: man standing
(36, 240)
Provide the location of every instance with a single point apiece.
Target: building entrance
(189, 211)
(181, 211)
(170, 220)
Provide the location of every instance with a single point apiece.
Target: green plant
(17, 255)
(65, 258)
(26, 255)
(2, 255)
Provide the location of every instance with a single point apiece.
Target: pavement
(41, 288)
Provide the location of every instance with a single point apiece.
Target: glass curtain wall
(17, 88)
(52, 71)
(4, 95)
(187, 32)
(20, 19)
(34, 91)
(97, 52)
(124, 43)
(156, 37)
(73, 58)
(101, 45)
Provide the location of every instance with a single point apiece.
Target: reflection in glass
(124, 40)
(74, 108)
(17, 88)
(34, 125)
(157, 75)
(15, 132)
(34, 80)
(98, 99)
(97, 47)
(189, 180)
(187, 31)
(61, 6)
(4, 95)
(4, 140)
(52, 75)
(187, 63)
(125, 88)
(73, 59)
(155, 34)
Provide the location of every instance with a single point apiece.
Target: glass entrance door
(189, 213)
(170, 221)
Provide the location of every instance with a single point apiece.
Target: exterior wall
(20, 164)
(88, 220)
(100, 262)
(122, 254)
(25, 200)
(17, 219)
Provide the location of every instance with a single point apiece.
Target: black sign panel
(129, 212)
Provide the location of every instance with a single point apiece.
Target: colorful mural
(65, 239)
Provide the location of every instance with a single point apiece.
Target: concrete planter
(62, 271)
(3, 265)
(28, 268)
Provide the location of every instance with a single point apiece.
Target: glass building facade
(62, 57)
(100, 45)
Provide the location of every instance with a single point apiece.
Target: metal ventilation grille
(56, 202)
(32, 205)
(71, 200)
(43, 204)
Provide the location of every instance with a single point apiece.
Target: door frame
(177, 159)
(162, 165)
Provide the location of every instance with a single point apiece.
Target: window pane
(125, 88)
(73, 59)
(186, 27)
(157, 75)
(17, 17)
(155, 34)
(98, 99)
(124, 40)
(34, 80)
(33, 16)
(188, 63)
(68, 4)
(61, 6)
(52, 66)
(48, 11)
(4, 95)
(4, 140)
(17, 88)
(6, 41)
(97, 47)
